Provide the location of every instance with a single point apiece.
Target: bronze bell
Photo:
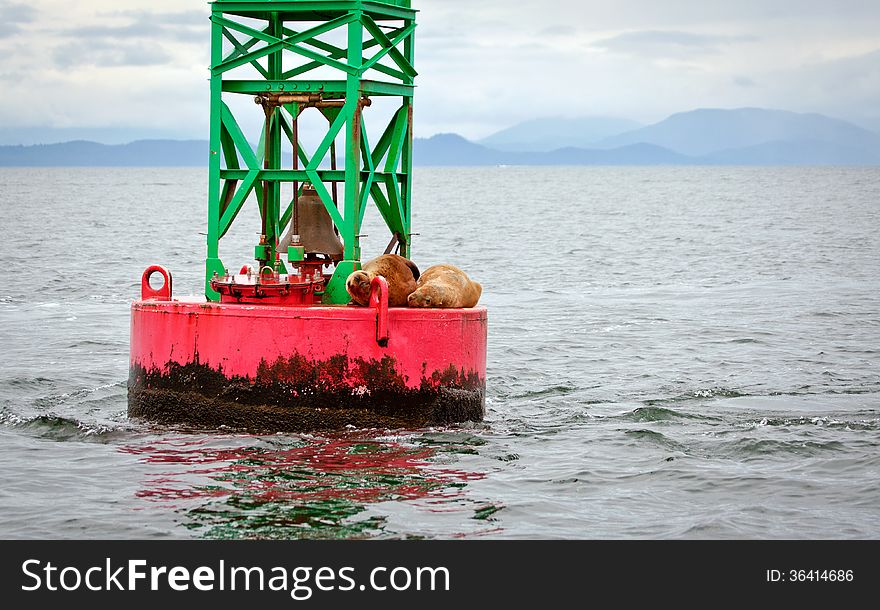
(315, 227)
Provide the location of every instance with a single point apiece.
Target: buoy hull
(278, 368)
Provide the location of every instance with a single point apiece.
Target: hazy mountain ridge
(81, 153)
(741, 136)
(707, 130)
(795, 152)
(745, 136)
(453, 150)
(549, 134)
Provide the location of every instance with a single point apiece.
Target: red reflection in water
(352, 468)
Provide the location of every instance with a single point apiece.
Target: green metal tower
(279, 52)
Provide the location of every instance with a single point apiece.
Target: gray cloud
(651, 14)
(186, 26)
(104, 55)
(667, 43)
(182, 19)
(7, 30)
(11, 76)
(143, 29)
(12, 14)
(140, 29)
(744, 81)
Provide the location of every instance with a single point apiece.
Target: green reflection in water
(314, 488)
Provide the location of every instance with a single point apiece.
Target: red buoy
(281, 367)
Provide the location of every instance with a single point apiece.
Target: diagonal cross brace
(335, 52)
(241, 144)
(318, 156)
(370, 170)
(276, 44)
(237, 201)
(392, 49)
(241, 49)
(390, 46)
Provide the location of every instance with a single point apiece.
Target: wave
(866, 387)
(699, 394)
(81, 395)
(823, 422)
(654, 413)
(57, 428)
(558, 390)
(94, 343)
(761, 448)
(100, 405)
(28, 382)
(654, 437)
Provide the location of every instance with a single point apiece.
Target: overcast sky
(484, 65)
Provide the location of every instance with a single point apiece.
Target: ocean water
(673, 353)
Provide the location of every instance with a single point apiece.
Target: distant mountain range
(745, 136)
(450, 150)
(80, 153)
(548, 134)
(106, 135)
(708, 131)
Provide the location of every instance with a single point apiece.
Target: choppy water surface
(674, 352)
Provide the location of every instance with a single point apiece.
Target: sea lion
(400, 273)
(445, 286)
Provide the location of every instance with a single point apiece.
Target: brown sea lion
(445, 286)
(400, 273)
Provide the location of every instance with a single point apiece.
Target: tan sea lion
(445, 286)
(400, 273)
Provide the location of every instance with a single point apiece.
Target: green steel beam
(243, 50)
(231, 159)
(287, 175)
(314, 178)
(338, 53)
(272, 209)
(238, 200)
(353, 110)
(389, 46)
(332, 87)
(406, 164)
(291, 175)
(388, 215)
(213, 264)
(277, 43)
(397, 139)
(241, 144)
(370, 173)
(409, 47)
(315, 10)
(372, 87)
(274, 43)
(395, 150)
(374, 64)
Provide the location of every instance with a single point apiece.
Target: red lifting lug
(164, 292)
(379, 300)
